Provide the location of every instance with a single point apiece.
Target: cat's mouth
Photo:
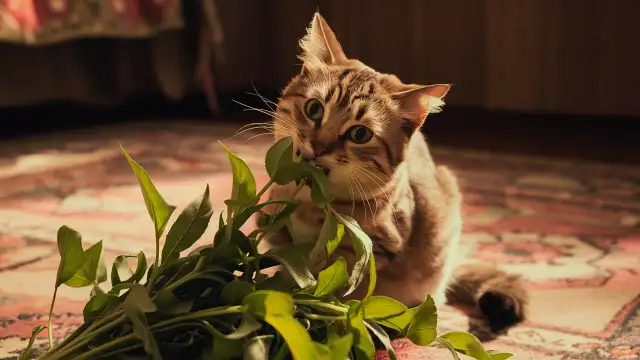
(324, 169)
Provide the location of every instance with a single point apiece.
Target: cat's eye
(359, 134)
(314, 110)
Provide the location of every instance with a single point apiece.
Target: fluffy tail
(493, 300)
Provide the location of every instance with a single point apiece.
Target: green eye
(359, 134)
(314, 110)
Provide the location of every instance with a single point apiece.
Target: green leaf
(257, 348)
(279, 157)
(364, 347)
(139, 297)
(168, 303)
(447, 345)
(238, 240)
(382, 336)
(120, 266)
(226, 349)
(276, 309)
(323, 351)
(331, 234)
(71, 254)
(373, 276)
(499, 356)
(335, 330)
(242, 217)
(221, 221)
(229, 346)
(115, 290)
(188, 227)
(279, 220)
(159, 210)
(382, 307)
(234, 292)
(292, 260)
(26, 355)
(340, 347)
(248, 325)
(244, 184)
(93, 271)
(135, 306)
(96, 305)
(400, 322)
(264, 302)
(332, 278)
(363, 248)
(320, 191)
(469, 345)
(422, 328)
(277, 282)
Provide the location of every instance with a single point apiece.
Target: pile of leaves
(217, 303)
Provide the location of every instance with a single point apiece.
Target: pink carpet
(572, 229)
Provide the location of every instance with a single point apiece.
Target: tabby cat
(362, 128)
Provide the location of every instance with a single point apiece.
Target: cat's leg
(450, 263)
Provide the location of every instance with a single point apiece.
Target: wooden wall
(566, 56)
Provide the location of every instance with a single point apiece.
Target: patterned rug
(572, 229)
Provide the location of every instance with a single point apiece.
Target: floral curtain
(36, 22)
(105, 51)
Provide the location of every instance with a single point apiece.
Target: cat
(362, 127)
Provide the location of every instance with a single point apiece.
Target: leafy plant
(216, 302)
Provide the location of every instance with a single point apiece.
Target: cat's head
(348, 118)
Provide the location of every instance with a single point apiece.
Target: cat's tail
(493, 300)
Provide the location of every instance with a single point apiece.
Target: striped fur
(408, 205)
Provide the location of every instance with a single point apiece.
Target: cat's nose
(319, 148)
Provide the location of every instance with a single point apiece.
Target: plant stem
(199, 264)
(91, 353)
(280, 208)
(324, 317)
(156, 272)
(50, 323)
(297, 190)
(104, 348)
(282, 353)
(198, 315)
(70, 338)
(76, 337)
(322, 305)
(181, 281)
(228, 229)
(264, 189)
(83, 340)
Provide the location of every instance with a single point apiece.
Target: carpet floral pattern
(570, 228)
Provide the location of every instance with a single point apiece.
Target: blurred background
(525, 72)
(542, 126)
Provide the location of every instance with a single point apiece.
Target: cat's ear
(417, 101)
(320, 45)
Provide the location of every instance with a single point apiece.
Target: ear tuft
(417, 101)
(320, 45)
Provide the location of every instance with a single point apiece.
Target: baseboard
(598, 138)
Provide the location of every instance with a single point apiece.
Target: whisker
(263, 111)
(364, 196)
(251, 129)
(385, 193)
(265, 123)
(255, 136)
(264, 99)
(352, 194)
